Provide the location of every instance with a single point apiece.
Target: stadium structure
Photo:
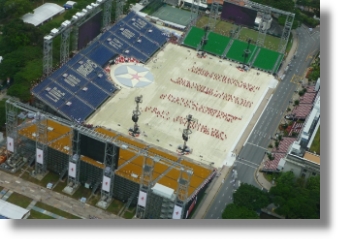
(83, 128)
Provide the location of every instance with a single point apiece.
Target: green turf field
(237, 49)
(266, 59)
(315, 147)
(216, 43)
(194, 37)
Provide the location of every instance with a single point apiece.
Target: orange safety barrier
(105, 132)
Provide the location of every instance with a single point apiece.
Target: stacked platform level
(134, 171)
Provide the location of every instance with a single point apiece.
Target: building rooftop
(312, 157)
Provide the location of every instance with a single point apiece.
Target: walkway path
(52, 198)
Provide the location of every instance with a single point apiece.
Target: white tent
(42, 13)
(12, 211)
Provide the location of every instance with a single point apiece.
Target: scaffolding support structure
(213, 15)
(119, 9)
(65, 46)
(111, 152)
(286, 32)
(182, 189)
(47, 58)
(11, 123)
(107, 13)
(194, 11)
(145, 184)
(41, 143)
(261, 36)
(74, 158)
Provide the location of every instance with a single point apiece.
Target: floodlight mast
(135, 132)
(185, 135)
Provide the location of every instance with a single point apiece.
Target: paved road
(252, 153)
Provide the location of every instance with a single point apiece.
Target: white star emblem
(135, 76)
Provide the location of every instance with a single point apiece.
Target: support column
(107, 13)
(41, 144)
(47, 58)
(145, 186)
(111, 154)
(119, 9)
(285, 33)
(65, 46)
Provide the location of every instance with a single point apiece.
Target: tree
(16, 8)
(2, 112)
(294, 200)
(232, 211)
(250, 197)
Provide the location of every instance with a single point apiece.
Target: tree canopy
(250, 197)
(296, 200)
(232, 211)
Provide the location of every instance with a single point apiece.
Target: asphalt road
(253, 151)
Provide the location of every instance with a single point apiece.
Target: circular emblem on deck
(133, 76)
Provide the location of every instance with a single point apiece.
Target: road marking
(17, 181)
(6, 182)
(257, 145)
(227, 188)
(247, 165)
(223, 195)
(32, 190)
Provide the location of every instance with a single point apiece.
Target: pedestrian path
(3, 192)
(29, 207)
(38, 209)
(7, 195)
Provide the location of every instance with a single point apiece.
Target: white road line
(248, 165)
(17, 181)
(6, 182)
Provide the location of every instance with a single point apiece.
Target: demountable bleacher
(81, 85)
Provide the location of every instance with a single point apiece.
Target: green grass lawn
(270, 42)
(115, 206)
(38, 215)
(19, 200)
(237, 49)
(315, 147)
(129, 214)
(26, 176)
(56, 211)
(50, 178)
(82, 192)
(60, 186)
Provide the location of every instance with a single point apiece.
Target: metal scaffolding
(194, 11)
(119, 9)
(41, 144)
(107, 13)
(75, 159)
(111, 157)
(145, 184)
(65, 46)
(213, 14)
(47, 58)
(265, 17)
(286, 32)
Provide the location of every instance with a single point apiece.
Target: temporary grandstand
(80, 86)
(130, 167)
(43, 13)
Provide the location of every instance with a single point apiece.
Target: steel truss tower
(41, 144)
(107, 13)
(119, 9)
(213, 14)
(74, 159)
(286, 32)
(265, 17)
(182, 189)
(194, 11)
(11, 123)
(185, 135)
(111, 152)
(47, 59)
(145, 184)
(65, 46)
(135, 131)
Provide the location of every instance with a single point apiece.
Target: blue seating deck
(77, 111)
(55, 95)
(92, 95)
(71, 80)
(132, 36)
